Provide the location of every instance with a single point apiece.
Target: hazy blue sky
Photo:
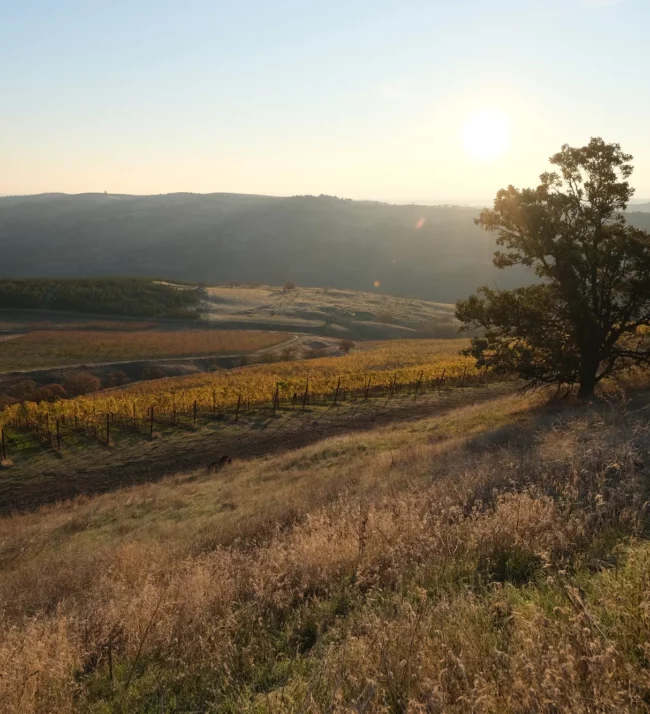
(359, 98)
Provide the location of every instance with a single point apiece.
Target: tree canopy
(140, 297)
(587, 317)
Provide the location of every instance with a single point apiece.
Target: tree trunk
(588, 380)
(586, 389)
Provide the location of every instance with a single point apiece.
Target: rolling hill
(432, 252)
(225, 237)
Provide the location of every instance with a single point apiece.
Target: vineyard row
(98, 416)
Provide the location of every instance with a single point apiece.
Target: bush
(116, 379)
(289, 286)
(22, 389)
(47, 393)
(81, 383)
(153, 372)
(346, 345)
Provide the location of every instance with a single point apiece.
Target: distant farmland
(59, 348)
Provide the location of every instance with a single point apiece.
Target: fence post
(58, 436)
(305, 395)
(194, 411)
(4, 448)
(276, 397)
(151, 424)
(367, 388)
(442, 379)
(462, 381)
(237, 410)
(417, 386)
(336, 393)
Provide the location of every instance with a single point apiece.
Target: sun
(487, 135)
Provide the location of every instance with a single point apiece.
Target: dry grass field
(53, 348)
(490, 559)
(348, 313)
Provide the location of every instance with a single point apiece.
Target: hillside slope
(489, 559)
(226, 237)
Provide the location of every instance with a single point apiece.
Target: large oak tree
(586, 318)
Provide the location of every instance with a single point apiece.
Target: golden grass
(491, 560)
(64, 347)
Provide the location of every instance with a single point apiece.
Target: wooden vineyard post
(276, 397)
(237, 410)
(336, 393)
(4, 448)
(151, 424)
(47, 426)
(485, 371)
(305, 396)
(58, 436)
(214, 403)
(108, 430)
(135, 422)
(194, 412)
(462, 381)
(417, 386)
(442, 379)
(367, 389)
(393, 384)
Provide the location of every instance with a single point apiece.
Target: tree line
(139, 297)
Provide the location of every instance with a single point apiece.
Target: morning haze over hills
(431, 252)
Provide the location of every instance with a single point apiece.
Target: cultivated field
(54, 348)
(380, 370)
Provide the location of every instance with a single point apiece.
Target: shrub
(47, 393)
(22, 389)
(81, 383)
(116, 379)
(153, 372)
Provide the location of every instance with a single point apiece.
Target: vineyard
(379, 371)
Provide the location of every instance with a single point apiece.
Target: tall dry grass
(507, 575)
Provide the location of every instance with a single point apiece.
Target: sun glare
(487, 135)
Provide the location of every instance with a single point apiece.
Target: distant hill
(640, 207)
(436, 253)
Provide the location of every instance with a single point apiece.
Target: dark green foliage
(586, 320)
(140, 297)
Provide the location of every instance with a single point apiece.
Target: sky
(365, 99)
